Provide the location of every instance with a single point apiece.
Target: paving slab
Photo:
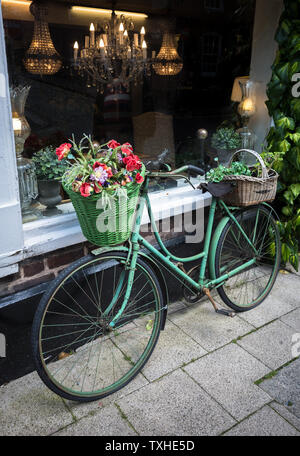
(271, 344)
(293, 320)
(264, 422)
(228, 375)
(81, 409)
(28, 407)
(175, 405)
(107, 421)
(287, 288)
(286, 414)
(270, 309)
(284, 387)
(174, 348)
(209, 329)
(176, 306)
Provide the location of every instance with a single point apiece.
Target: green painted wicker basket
(106, 223)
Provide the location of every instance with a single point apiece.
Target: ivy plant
(283, 139)
(236, 169)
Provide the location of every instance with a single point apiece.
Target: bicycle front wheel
(248, 288)
(78, 354)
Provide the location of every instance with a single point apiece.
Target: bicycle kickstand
(228, 313)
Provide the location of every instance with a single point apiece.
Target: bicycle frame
(167, 257)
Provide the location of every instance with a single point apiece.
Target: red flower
(63, 150)
(97, 187)
(86, 189)
(127, 148)
(113, 144)
(139, 178)
(132, 162)
(97, 164)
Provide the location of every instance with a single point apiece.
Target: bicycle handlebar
(186, 168)
(176, 173)
(190, 168)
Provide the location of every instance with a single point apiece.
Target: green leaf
(149, 325)
(283, 31)
(288, 195)
(284, 146)
(282, 72)
(295, 137)
(294, 66)
(295, 189)
(285, 252)
(295, 108)
(286, 122)
(287, 211)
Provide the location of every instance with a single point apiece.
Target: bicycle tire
(232, 250)
(45, 324)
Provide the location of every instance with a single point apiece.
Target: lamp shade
(41, 57)
(168, 61)
(236, 94)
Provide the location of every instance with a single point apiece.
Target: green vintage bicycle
(98, 323)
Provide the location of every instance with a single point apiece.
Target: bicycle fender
(213, 246)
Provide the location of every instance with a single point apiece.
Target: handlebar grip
(196, 170)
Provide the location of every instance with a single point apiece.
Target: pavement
(209, 375)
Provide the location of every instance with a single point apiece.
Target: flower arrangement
(47, 164)
(108, 168)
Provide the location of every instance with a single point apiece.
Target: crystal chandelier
(113, 54)
(41, 57)
(168, 61)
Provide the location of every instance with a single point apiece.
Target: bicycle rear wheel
(250, 287)
(77, 353)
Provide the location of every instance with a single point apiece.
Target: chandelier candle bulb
(92, 35)
(136, 39)
(76, 46)
(121, 32)
(144, 48)
(142, 32)
(102, 52)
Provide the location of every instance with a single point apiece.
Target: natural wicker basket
(252, 190)
(115, 225)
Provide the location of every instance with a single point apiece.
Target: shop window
(164, 108)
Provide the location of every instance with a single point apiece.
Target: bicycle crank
(228, 313)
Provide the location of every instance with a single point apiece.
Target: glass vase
(28, 188)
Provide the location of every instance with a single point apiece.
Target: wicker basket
(106, 223)
(252, 190)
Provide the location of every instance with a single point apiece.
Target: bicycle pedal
(228, 313)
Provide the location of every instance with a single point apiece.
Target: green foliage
(226, 138)
(284, 139)
(47, 166)
(236, 169)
